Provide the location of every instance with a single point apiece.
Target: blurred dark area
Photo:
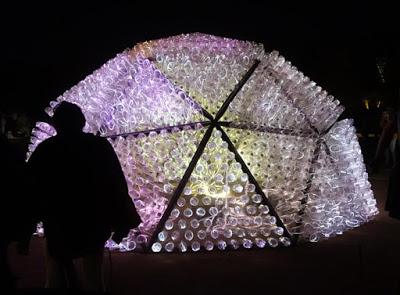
(350, 50)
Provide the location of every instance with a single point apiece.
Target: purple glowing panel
(130, 94)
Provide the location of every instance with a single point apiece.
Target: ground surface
(365, 260)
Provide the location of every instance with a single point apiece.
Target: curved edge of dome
(340, 197)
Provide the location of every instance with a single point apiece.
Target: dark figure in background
(82, 197)
(393, 194)
(388, 127)
(16, 219)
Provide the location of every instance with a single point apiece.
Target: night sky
(47, 50)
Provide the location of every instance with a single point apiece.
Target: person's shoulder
(92, 137)
(48, 142)
(44, 148)
(96, 140)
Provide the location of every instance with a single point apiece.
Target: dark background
(49, 48)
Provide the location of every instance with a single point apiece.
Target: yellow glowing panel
(280, 164)
(219, 208)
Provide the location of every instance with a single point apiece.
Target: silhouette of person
(393, 193)
(81, 197)
(15, 216)
(388, 126)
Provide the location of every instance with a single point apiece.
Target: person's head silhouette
(68, 118)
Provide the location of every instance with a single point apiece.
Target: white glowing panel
(281, 165)
(340, 197)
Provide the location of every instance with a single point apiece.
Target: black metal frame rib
(179, 189)
(203, 110)
(147, 131)
(306, 191)
(235, 91)
(267, 129)
(252, 179)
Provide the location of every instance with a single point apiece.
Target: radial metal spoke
(179, 189)
(168, 128)
(266, 129)
(306, 191)
(258, 189)
(198, 105)
(236, 90)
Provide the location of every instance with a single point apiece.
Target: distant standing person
(393, 193)
(388, 126)
(82, 197)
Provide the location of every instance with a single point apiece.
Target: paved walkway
(362, 261)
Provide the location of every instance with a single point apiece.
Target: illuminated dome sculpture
(223, 146)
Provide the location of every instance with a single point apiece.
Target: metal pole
(259, 190)
(181, 185)
(266, 129)
(304, 200)
(236, 90)
(169, 129)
